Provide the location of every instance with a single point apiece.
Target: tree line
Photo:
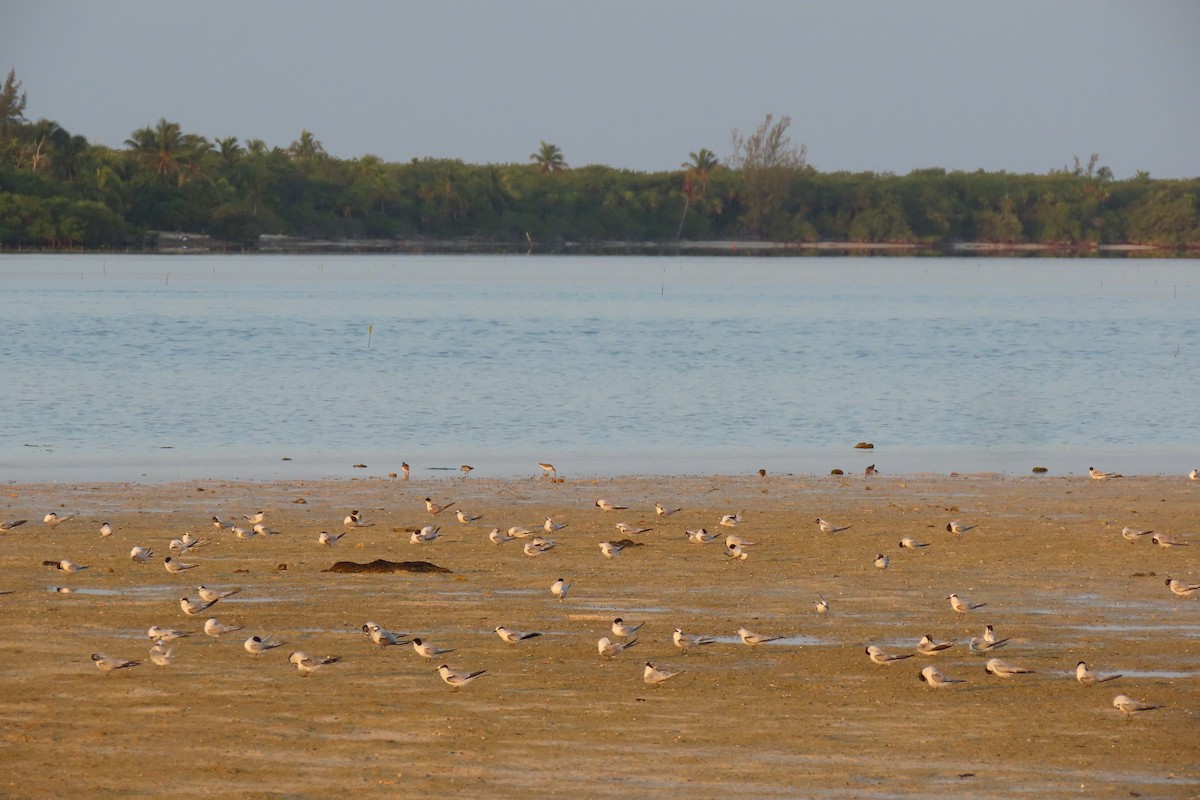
(58, 190)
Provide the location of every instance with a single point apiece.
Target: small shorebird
(434, 508)
(109, 663)
(548, 470)
(465, 469)
(307, 665)
(686, 641)
(512, 637)
(1089, 678)
(927, 646)
(1002, 669)
(933, 676)
(1097, 475)
(405, 469)
(611, 649)
(653, 675)
(963, 606)
(429, 650)
(881, 656)
(620, 628)
(1128, 706)
(751, 638)
(456, 680)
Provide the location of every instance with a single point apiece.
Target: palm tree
(548, 158)
(306, 148)
(160, 148)
(697, 175)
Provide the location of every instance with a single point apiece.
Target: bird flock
(618, 637)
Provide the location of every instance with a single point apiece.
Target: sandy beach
(809, 715)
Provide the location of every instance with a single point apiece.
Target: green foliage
(59, 191)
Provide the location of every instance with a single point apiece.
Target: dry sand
(807, 717)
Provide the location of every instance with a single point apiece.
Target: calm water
(157, 368)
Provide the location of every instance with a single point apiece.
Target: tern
(624, 630)
(550, 526)
(106, 530)
(426, 534)
(1133, 534)
(1097, 475)
(1163, 541)
(263, 530)
(5, 527)
(307, 665)
(220, 524)
(701, 536)
(165, 634)
(881, 656)
(822, 605)
(828, 527)
(733, 550)
(663, 511)
(535, 548)
(161, 655)
(519, 532)
(140, 555)
(355, 520)
(653, 675)
(1127, 705)
(927, 646)
(512, 637)
(466, 518)
(686, 641)
(629, 530)
(217, 629)
(1089, 678)
(958, 527)
(256, 645)
(980, 645)
(455, 679)
(382, 636)
(933, 676)
(605, 505)
(732, 520)
(69, 567)
(429, 650)
(1194, 475)
(611, 649)
(434, 508)
(54, 520)
(1182, 589)
(185, 543)
(192, 608)
(213, 595)
(751, 638)
(1002, 669)
(911, 544)
(326, 538)
(560, 588)
(610, 549)
(175, 567)
(963, 606)
(495, 536)
(255, 518)
(110, 663)
(242, 533)
(881, 561)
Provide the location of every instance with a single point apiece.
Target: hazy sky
(1018, 85)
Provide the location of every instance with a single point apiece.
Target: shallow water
(158, 368)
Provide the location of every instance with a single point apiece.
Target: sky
(1022, 86)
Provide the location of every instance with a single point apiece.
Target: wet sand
(808, 716)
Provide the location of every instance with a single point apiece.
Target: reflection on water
(117, 367)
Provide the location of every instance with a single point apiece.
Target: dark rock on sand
(385, 567)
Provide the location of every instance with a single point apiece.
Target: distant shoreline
(190, 244)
